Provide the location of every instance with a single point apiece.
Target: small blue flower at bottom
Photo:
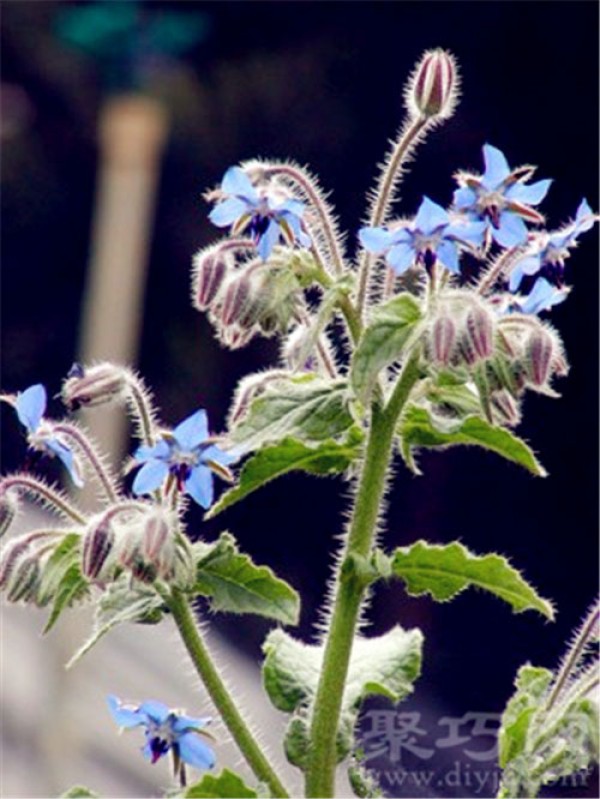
(166, 730)
(189, 454)
(30, 406)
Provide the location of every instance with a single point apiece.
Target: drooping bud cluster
(462, 331)
(20, 565)
(93, 385)
(433, 89)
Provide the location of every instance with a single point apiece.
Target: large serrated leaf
(289, 455)
(445, 570)
(235, 584)
(226, 785)
(383, 341)
(121, 603)
(308, 408)
(418, 429)
(386, 665)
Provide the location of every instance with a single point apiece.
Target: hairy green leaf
(383, 341)
(307, 408)
(122, 602)
(289, 455)
(419, 429)
(72, 588)
(235, 584)
(226, 785)
(65, 554)
(445, 570)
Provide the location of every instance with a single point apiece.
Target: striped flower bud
(98, 543)
(433, 88)
(15, 551)
(93, 385)
(505, 408)
(480, 331)
(443, 337)
(158, 546)
(9, 506)
(210, 268)
(24, 580)
(236, 297)
(539, 352)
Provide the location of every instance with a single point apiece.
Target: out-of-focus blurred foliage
(321, 83)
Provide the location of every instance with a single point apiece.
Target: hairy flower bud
(93, 385)
(9, 506)
(443, 337)
(539, 352)
(147, 546)
(98, 543)
(480, 332)
(432, 90)
(24, 580)
(505, 407)
(235, 299)
(210, 268)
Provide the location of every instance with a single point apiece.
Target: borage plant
(380, 356)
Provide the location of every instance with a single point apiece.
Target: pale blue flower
(267, 219)
(166, 730)
(501, 198)
(548, 254)
(30, 406)
(430, 237)
(542, 297)
(187, 453)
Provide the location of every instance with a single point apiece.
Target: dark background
(322, 83)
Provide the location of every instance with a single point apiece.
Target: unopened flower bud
(209, 272)
(505, 408)
(432, 91)
(235, 299)
(538, 356)
(466, 350)
(24, 580)
(98, 543)
(93, 385)
(443, 337)
(158, 546)
(480, 331)
(15, 551)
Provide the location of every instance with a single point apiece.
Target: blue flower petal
(584, 218)
(155, 711)
(512, 230)
(195, 752)
(447, 253)
(228, 211)
(182, 723)
(526, 266)
(199, 486)
(542, 297)
(496, 167)
(471, 232)
(66, 456)
(375, 239)
(125, 717)
(159, 451)
(31, 406)
(193, 431)
(430, 216)
(268, 240)
(236, 182)
(464, 198)
(294, 207)
(401, 257)
(150, 476)
(214, 453)
(531, 194)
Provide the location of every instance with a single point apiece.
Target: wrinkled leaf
(531, 684)
(383, 341)
(121, 603)
(289, 455)
(307, 408)
(419, 429)
(227, 785)
(445, 570)
(235, 584)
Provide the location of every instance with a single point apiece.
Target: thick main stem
(218, 692)
(320, 776)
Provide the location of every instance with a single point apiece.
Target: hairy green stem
(320, 776)
(218, 692)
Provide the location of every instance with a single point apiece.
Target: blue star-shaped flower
(267, 219)
(430, 237)
(30, 406)
(189, 454)
(501, 198)
(548, 254)
(166, 730)
(542, 297)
